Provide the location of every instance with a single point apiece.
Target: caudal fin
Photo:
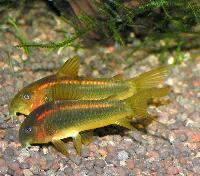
(149, 79)
(139, 101)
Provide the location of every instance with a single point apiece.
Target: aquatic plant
(154, 26)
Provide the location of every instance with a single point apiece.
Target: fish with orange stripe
(61, 119)
(66, 84)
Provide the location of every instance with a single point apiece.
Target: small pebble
(45, 150)
(99, 170)
(19, 173)
(23, 154)
(165, 153)
(172, 170)
(35, 170)
(99, 162)
(35, 148)
(122, 171)
(24, 165)
(10, 135)
(196, 161)
(60, 173)
(182, 137)
(13, 165)
(196, 169)
(27, 172)
(140, 150)
(76, 159)
(68, 171)
(2, 132)
(89, 164)
(10, 171)
(91, 173)
(63, 162)
(109, 159)
(3, 166)
(2, 162)
(136, 136)
(85, 152)
(8, 154)
(50, 172)
(122, 155)
(130, 163)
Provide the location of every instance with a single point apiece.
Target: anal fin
(60, 146)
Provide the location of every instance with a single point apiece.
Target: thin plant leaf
(19, 34)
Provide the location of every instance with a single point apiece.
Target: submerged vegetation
(155, 26)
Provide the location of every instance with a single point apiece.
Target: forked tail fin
(139, 101)
(149, 79)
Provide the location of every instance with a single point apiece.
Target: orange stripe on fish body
(45, 86)
(71, 107)
(44, 114)
(71, 82)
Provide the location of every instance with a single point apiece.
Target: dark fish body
(61, 119)
(67, 118)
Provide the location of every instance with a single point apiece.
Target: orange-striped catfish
(66, 83)
(61, 119)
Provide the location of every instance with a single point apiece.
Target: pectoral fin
(86, 137)
(60, 146)
(77, 143)
(125, 123)
(118, 77)
(70, 67)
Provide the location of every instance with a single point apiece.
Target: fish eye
(27, 96)
(28, 129)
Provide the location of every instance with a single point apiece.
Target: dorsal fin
(111, 97)
(70, 67)
(118, 77)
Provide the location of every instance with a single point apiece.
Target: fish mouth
(19, 113)
(13, 113)
(17, 109)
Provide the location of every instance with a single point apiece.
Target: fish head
(26, 132)
(26, 100)
(26, 136)
(32, 132)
